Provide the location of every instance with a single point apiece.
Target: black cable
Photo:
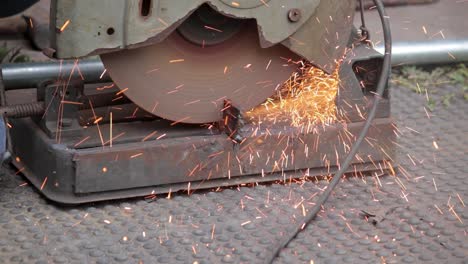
(364, 31)
(384, 76)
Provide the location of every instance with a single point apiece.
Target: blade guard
(316, 30)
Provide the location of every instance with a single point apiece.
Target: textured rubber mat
(415, 216)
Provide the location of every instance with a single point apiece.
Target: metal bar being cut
(31, 74)
(428, 52)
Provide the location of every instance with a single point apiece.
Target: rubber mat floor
(443, 19)
(415, 216)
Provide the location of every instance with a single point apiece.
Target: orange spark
(175, 61)
(303, 100)
(102, 74)
(97, 120)
(71, 102)
(43, 183)
(65, 25)
(214, 29)
(136, 155)
(81, 141)
(110, 130)
(121, 91)
(149, 136)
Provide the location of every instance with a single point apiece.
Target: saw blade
(188, 83)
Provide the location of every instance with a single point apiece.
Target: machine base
(143, 162)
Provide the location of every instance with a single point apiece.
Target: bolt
(294, 15)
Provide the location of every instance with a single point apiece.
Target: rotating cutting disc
(185, 82)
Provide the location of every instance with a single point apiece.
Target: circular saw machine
(168, 105)
(180, 60)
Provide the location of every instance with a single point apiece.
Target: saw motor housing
(316, 30)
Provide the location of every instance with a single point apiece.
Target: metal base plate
(186, 158)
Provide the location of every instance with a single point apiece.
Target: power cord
(384, 76)
(364, 31)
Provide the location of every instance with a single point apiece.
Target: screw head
(294, 15)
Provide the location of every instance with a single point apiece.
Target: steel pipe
(428, 52)
(31, 74)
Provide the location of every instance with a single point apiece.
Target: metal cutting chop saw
(165, 112)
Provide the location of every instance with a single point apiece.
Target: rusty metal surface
(188, 83)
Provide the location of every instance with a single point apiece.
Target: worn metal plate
(75, 175)
(240, 224)
(204, 158)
